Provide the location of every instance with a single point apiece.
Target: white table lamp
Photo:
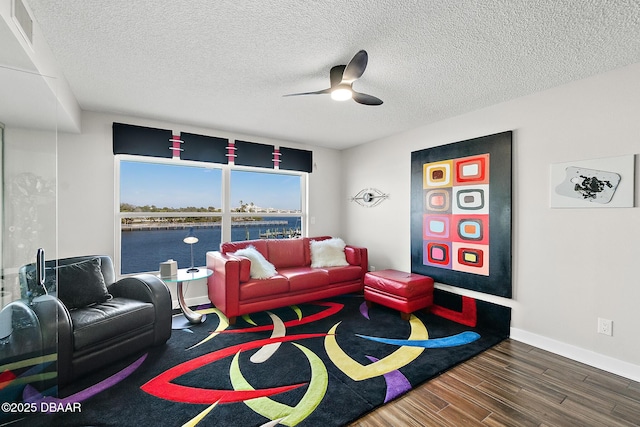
(190, 240)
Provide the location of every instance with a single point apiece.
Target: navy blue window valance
(253, 154)
(141, 141)
(203, 148)
(146, 141)
(293, 159)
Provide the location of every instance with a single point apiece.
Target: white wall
(570, 266)
(86, 190)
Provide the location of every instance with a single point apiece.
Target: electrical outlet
(372, 268)
(605, 326)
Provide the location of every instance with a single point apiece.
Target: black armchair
(97, 320)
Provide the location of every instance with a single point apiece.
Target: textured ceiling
(225, 64)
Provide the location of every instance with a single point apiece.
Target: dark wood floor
(515, 384)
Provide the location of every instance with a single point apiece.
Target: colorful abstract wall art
(598, 183)
(461, 213)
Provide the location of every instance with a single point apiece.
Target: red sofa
(234, 293)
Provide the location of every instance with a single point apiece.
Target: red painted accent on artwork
(481, 220)
(479, 260)
(438, 249)
(162, 387)
(482, 177)
(468, 316)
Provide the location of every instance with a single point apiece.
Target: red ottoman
(406, 292)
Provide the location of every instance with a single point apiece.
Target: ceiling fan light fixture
(341, 93)
(342, 77)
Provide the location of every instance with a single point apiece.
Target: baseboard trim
(606, 363)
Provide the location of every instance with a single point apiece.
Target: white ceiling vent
(23, 19)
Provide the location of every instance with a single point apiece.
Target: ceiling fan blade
(342, 78)
(335, 75)
(363, 98)
(317, 92)
(355, 68)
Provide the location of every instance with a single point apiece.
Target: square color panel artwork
(461, 214)
(456, 214)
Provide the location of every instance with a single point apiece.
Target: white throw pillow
(260, 267)
(328, 253)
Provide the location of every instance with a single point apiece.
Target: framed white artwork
(598, 183)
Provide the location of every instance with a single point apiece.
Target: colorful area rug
(324, 363)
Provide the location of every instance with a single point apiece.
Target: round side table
(188, 276)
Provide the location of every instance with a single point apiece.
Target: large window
(159, 204)
(265, 205)
(161, 201)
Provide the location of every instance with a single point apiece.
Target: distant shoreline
(151, 226)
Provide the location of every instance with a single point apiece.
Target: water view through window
(143, 251)
(160, 203)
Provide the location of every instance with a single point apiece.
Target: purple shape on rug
(397, 383)
(364, 310)
(30, 394)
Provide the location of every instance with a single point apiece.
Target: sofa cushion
(260, 245)
(286, 252)
(118, 316)
(328, 253)
(343, 274)
(263, 288)
(260, 267)
(301, 278)
(81, 284)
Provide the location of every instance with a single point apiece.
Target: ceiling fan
(342, 78)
